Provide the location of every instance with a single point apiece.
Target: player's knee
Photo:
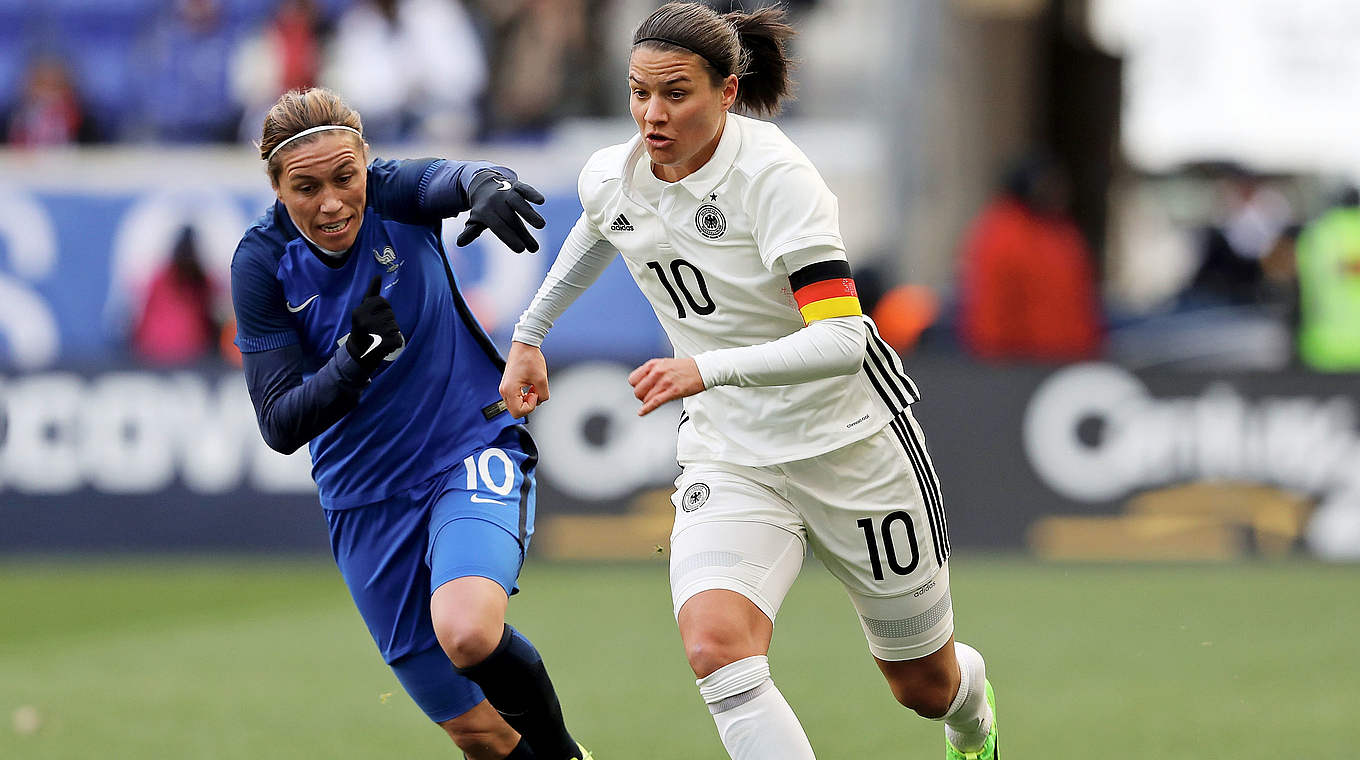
(928, 695)
(930, 703)
(481, 739)
(467, 642)
(710, 649)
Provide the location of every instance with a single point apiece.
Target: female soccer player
(357, 341)
(796, 428)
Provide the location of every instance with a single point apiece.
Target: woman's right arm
(583, 258)
(290, 412)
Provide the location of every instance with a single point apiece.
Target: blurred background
(1117, 243)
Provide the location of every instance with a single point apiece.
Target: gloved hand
(373, 331)
(502, 205)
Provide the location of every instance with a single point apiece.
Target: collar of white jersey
(702, 182)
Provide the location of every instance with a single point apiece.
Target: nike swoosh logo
(505, 185)
(377, 340)
(479, 500)
(301, 306)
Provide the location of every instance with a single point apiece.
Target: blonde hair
(297, 111)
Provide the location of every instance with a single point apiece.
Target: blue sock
(516, 683)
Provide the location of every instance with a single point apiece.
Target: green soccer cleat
(988, 751)
(585, 753)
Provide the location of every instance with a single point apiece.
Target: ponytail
(764, 79)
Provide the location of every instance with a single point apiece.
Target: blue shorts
(474, 519)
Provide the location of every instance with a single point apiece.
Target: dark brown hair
(298, 110)
(750, 45)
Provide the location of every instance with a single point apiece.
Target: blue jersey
(432, 401)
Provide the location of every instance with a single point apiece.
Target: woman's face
(323, 184)
(678, 110)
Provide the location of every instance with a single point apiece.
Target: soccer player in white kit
(796, 429)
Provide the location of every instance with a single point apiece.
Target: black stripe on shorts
(928, 484)
(918, 441)
(530, 448)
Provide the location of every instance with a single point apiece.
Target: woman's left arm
(825, 348)
(422, 191)
(832, 343)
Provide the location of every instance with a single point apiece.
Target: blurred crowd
(1029, 286)
(1270, 282)
(203, 71)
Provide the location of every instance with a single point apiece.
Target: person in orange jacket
(1027, 284)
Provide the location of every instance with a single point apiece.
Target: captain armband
(825, 290)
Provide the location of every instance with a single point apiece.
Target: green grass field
(247, 658)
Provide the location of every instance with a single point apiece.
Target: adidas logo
(621, 224)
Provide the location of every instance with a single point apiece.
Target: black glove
(498, 203)
(373, 331)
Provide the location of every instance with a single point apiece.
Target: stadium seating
(16, 36)
(99, 40)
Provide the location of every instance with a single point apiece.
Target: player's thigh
(733, 531)
(380, 551)
(875, 518)
(910, 625)
(482, 520)
(474, 564)
(463, 546)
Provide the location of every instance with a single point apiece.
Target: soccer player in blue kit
(356, 341)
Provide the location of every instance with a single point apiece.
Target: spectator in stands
(1251, 218)
(185, 76)
(543, 56)
(1328, 261)
(284, 55)
(1027, 289)
(904, 314)
(415, 68)
(50, 111)
(177, 326)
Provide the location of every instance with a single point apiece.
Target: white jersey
(708, 252)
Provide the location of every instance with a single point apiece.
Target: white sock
(754, 720)
(969, 718)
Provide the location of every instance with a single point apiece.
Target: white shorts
(871, 511)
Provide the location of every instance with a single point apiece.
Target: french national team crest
(694, 497)
(710, 221)
(387, 257)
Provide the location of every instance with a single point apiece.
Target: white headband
(311, 131)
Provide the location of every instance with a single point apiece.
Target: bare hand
(525, 383)
(662, 380)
